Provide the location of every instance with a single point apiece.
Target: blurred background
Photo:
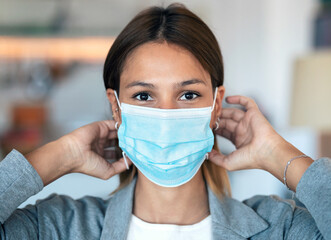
(52, 54)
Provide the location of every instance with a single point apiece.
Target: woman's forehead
(158, 62)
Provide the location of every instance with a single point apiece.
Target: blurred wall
(259, 41)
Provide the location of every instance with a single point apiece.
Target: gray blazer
(61, 217)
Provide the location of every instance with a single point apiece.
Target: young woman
(164, 80)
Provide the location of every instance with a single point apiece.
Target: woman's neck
(183, 205)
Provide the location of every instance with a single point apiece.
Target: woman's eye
(143, 97)
(189, 96)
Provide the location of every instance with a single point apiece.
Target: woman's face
(166, 76)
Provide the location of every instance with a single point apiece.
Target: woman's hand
(79, 151)
(87, 150)
(250, 132)
(258, 145)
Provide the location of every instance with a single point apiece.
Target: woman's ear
(219, 99)
(116, 111)
(218, 106)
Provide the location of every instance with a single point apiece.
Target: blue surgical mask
(168, 146)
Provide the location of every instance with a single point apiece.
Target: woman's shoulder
(274, 208)
(261, 203)
(64, 204)
(283, 214)
(75, 217)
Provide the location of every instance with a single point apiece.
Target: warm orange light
(86, 49)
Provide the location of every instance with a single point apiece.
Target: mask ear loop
(118, 101)
(215, 95)
(119, 104)
(125, 161)
(123, 153)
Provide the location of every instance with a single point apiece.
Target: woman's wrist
(50, 160)
(281, 152)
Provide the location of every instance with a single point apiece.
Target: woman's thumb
(217, 158)
(101, 168)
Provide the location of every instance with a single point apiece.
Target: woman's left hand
(257, 144)
(250, 132)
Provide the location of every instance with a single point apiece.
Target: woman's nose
(167, 103)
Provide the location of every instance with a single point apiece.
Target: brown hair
(177, 25)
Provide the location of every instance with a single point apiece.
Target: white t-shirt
(141, 230)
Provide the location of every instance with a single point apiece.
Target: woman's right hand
(81, 151)
(87, 149)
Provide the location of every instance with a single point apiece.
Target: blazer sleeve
(314, 191)
(18, 181)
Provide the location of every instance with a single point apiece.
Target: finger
(217, 158)
(96, 131)
(106, 137)
(228, 124)
(110, 153)
(110, 124)
(119, 166)
(104, 144)
(232, 162)
(112, 169)
(112, 134)
(227, 134)
(109, 142)
(242, 100)
(232, 113)
(99, 167)
(107, 129)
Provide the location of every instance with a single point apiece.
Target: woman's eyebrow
(150, 85)
(190, 81)
(139, 83)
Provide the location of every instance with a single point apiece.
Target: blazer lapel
(118, 214)
(232, 219)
